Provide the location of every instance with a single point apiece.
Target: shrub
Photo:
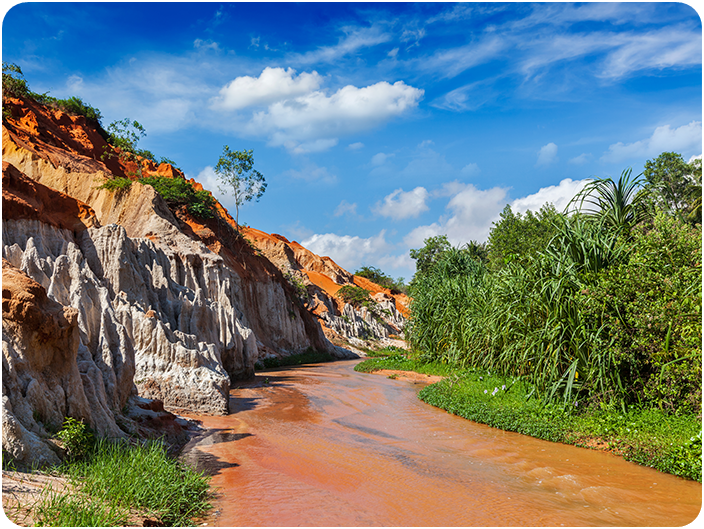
(77, 438)
(116, 184)
(178, 192)
(355, 296)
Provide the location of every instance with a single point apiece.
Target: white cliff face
(163, 321)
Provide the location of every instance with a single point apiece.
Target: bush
(116, 184)
(178, 192)
(355, 296)
(78, 439)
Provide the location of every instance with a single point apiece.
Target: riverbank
(110, 484)
(669, 443)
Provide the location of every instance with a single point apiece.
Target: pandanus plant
(618, 205)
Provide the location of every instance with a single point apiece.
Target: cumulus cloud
(470, 214)
(355, 146)
(401, 205)
(547, 155)
(274, 84)
(316, 115)
(559, 195)
(686, 138)
(350, 252)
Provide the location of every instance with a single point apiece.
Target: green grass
(117, 478)
(309, 356)
(667, 442)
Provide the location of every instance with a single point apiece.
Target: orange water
(326, 446)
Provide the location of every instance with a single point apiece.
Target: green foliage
(125, 135)
(236, 173)
(117, 183)
(178, 192)
(144, 477)
(56, 509)
(13, 81)
(618, 205)
(77, 438)
(355, 296)
(594, 318)
(298, 286)
(427, 256)
(675, 184)
(375, 275)
(518, 238)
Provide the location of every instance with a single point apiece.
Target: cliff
(114, 296)
(320, 279)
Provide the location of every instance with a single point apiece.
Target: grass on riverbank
(117, 484)
(666, 442)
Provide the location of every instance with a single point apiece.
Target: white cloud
(311, 146)
(471, 169)
(581, 159)
(347, 251)
(274, 84)
(471, 213)
(312, 173)
(558, 195)
(355, 39)
(547, 155)
(402, 205)
(355, 146)
(379, 158)
(686, 138)
(345, 208)
(318, 116)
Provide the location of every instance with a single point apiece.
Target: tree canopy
(237, 175)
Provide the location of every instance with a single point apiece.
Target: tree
(427, 256)
(519, 237)
(236, 173)
(676, 185)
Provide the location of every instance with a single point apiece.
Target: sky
(377, 125)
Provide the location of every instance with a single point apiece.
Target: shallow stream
(324, 445)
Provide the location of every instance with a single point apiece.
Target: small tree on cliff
(236, 173)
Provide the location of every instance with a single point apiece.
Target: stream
(323, 445)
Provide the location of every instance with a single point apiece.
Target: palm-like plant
(618, 205)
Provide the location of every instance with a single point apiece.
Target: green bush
(115, 184)
(77, 438)
(177, 192)
(355, 296)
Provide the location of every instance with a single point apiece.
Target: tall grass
(553, 320)
(116, 483)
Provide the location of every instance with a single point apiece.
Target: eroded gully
(325, 446)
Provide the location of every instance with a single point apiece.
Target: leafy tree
(236, 173)
(517, 237)
(375, 275)
(671, 180)
(428, 256)
(13, 81)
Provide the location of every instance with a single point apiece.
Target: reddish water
(326, 446)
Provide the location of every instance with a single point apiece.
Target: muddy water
(326, 446)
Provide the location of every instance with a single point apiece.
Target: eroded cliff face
(155, 303)
(322, 278)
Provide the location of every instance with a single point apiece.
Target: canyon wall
(110, 297)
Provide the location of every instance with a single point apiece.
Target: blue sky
(377, 125)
